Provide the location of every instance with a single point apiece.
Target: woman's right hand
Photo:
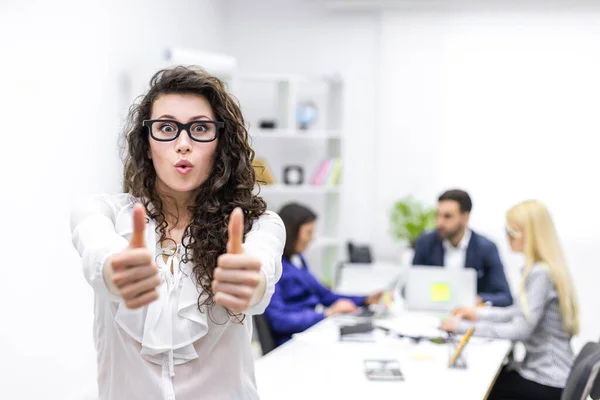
(132, 273)
(341, 306)
(467, 313)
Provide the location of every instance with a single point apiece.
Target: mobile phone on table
(383, 370)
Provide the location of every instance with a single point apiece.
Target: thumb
(139, 224)
(236, 231)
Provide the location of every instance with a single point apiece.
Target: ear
(149, 154)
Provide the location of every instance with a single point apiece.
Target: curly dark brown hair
(229, 185)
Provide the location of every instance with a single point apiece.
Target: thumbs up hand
(133, 272)
(238, 281)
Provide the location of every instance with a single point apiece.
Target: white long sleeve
(266, 235)
(170, 349)
(95, 238)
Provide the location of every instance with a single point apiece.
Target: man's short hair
(460, 196)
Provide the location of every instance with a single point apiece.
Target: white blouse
(168, 350)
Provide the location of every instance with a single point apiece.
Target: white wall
(437, 84)
(503, 103)
(61, 108)
(296, 36)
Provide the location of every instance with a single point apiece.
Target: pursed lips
(183, 166)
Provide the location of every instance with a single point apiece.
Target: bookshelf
(274, 98)
(294, 134)
(291, 189)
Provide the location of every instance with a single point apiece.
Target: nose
(183, 144)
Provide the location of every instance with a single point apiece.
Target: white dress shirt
(454, 257)
(169, 350)
(296, 261)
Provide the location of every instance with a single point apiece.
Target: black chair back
(265, 334)
(359, 254)
(584, 378)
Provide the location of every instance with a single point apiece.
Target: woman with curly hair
(180, 258)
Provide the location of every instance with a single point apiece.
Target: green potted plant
(409, 218)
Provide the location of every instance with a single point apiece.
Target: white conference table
(317, 365)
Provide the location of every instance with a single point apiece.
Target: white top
(296, 261)
(168, 349)
(454, 257)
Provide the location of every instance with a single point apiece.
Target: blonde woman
(544, 318)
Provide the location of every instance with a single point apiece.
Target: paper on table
(327, 336)
(412, 325)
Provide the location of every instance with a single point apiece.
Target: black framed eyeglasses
(166, 130)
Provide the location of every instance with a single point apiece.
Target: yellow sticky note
(440, 292)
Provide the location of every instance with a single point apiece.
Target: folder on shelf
(335, 174)
(322, 172)
(262, 172)
(328, 173)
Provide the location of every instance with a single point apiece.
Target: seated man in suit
(454, 245)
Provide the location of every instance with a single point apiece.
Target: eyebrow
(197, 117)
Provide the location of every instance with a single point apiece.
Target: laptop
(440, 289)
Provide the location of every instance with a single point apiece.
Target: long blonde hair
(541, 245)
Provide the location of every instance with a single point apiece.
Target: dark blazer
(482, 255)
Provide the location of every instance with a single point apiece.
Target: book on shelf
(262, 172)
(328, 173)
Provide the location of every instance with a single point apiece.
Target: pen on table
(462, 343)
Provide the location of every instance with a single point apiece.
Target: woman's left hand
(238, 281)
(450, 324)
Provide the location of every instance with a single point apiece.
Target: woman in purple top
(300, 300)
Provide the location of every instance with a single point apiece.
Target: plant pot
(405, 253)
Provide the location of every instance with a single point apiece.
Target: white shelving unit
(275, 97)
(300, 189)
(292, 133)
